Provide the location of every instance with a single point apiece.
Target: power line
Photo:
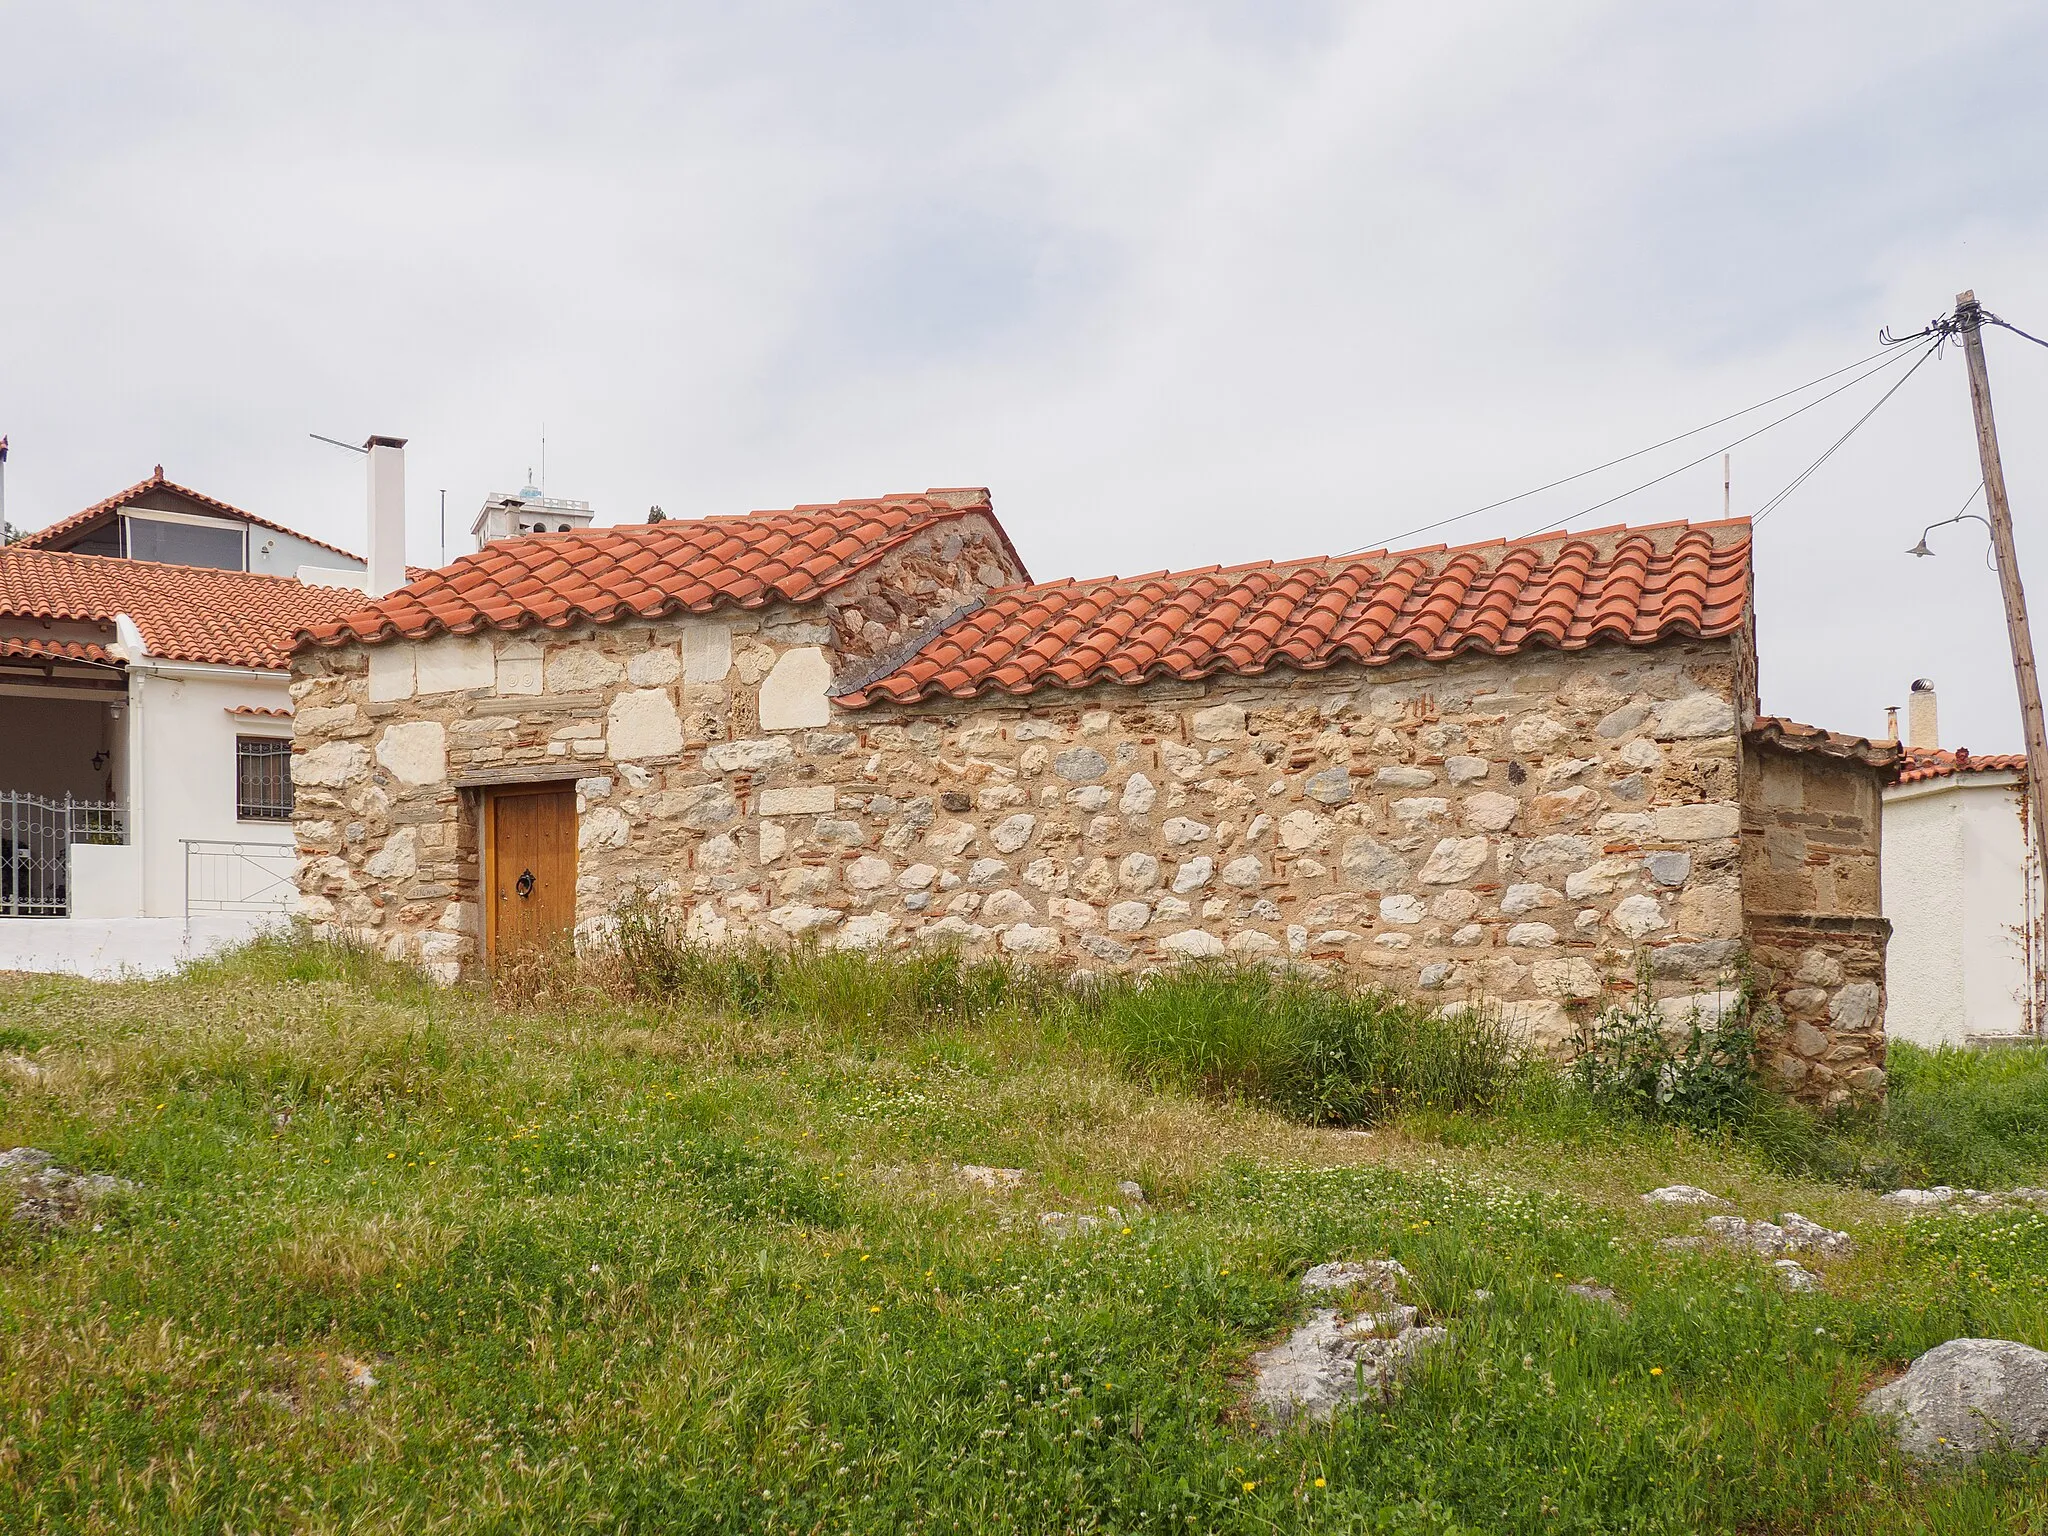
(1804, 475)
(1994, 320)
(1737, 443)
(1889, 350)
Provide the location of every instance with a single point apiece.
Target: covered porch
(63, 772)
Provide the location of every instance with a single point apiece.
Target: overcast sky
(1181, 283)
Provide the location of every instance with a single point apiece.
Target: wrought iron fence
(238, 876)
(36, 834)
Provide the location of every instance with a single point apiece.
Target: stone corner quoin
(1508, 831)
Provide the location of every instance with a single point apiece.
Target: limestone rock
(1797, 1276)
(1684, 1194)
(1966, 1397)
(1192, 944)
(49, 1196)
(1326, 1364)
(1454, 861)
(1382, 1275)
(990, 1178)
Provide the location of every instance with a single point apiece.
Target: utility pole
(1969, 317)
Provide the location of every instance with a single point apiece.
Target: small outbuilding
(1500, 774)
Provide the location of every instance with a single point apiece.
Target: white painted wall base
(108, 948)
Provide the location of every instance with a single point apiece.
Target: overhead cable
(1889, 350)
(1737, 443)
(1804, 475)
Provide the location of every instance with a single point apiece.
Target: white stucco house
(1962, 888)
(145, 726)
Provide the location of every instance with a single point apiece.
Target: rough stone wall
(1485, 829)
(1811, 825)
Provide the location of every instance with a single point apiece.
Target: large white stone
(794, 693)
(799, 800)
(605, 827)
(1532, 936)
(1024, 939)
(1224, 722)
(1966, 1397)
(1491, 811)
(1637, 916)
(1013, 832)
(1138, 796)
(1698, 823)
(1179, 831)
(1526, 896)
(1536, 734)
(753, 755)
(518, 669)
(391, 671)
(1370, 865)
(1303, 830)
(1400, 909)
(398, 859)
(799, 917)
(1194, 874)
(415, 751)
(1455, 859)
(1694, 716)
(643, 723)
(868, 873)
(455, 664)
(329, 765)
(868, 931)
(654, 669)
(1192, 944)
(580, 667)
(1243, 873)
(1128, 916)
(707, 651)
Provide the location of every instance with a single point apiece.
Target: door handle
(524, 884)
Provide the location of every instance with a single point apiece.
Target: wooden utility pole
(1970, 317)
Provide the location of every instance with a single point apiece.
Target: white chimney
(386, 460)
(1922, 734)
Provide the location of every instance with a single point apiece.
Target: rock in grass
(51, 1197)
(1792, 1233)
(1797, 1276)
(1591, 1290)
(1326, 1363)
(1966, 1397)
(1941, 1194)
(990, 1178)
(1131, 1190)
(1382, 1275)
(1684, 1194)
(1068, 1224)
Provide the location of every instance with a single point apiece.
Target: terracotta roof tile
(258, 712)
(1568, 591)
(1922, 764)
(1784, 735)
(78, 522)
(14, 647)
(185, 612)
(650, 570)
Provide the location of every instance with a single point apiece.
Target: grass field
(692, 1254)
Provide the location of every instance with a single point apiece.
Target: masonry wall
(1811, 830)
(1510, 830)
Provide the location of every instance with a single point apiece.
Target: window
(263, 778)
(221, 546)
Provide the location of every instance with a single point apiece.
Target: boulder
(1966, 1397)
(1683, 1194)
(1327, 1363)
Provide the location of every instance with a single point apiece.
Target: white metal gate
(36, 834)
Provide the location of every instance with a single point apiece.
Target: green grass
(689, 1255)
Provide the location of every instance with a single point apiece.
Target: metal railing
(223, 876)
(36, 834)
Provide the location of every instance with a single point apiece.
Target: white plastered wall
(1955, 888)
(181, 745)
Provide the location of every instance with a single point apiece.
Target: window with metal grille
(263, 778)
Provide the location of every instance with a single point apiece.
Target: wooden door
(529, 868)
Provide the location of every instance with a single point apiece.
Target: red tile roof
(80, 522)
(185, 612)
(1564, 591)
(14, 647)
(651, 570)
(258, 712)
(1790, 736)
(1922, 764)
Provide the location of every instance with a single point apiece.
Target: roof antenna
(1727, 482)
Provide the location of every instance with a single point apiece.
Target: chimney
(386, 460)
(1921, 732)
(1891, 723)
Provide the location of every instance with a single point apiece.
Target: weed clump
(1695, 1073)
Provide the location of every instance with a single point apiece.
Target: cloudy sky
(1182, 283)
